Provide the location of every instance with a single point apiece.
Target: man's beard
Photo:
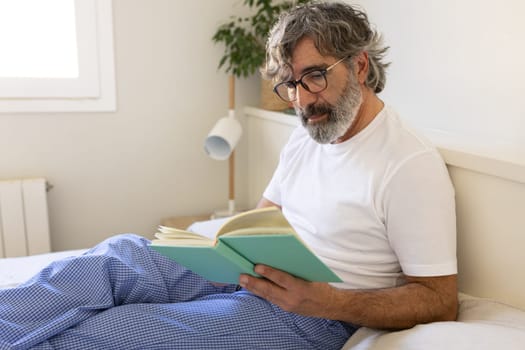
(339, 116)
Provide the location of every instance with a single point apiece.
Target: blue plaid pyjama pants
(123, 295)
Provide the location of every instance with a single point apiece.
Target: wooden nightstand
(182, 222)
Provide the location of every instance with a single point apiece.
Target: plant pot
(269, 100)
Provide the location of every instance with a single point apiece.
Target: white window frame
(93, 90)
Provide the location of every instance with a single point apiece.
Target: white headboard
(490, 201)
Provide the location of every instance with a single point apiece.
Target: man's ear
(361, 64)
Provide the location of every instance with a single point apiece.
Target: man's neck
(369, 109)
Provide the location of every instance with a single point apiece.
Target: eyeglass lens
(314, 82)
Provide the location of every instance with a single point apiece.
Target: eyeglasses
(313, 81)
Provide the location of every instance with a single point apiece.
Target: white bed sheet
(14, 271)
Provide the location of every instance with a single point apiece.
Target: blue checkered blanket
(123, 295)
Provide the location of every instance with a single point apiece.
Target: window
(56, 56)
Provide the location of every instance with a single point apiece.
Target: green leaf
(244, 38)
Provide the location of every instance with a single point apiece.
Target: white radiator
(24, 221)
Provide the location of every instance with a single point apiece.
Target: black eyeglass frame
(299, 81)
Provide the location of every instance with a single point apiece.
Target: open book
(259, 236)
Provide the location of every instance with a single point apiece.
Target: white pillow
(482, 324)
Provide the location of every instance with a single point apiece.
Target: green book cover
(217, 263)
(284, 252)
(259, 236)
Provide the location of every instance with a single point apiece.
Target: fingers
(278, 277)
(277, 287)
(261, 287)
(272, 287)
(288, 292)
(271, 276)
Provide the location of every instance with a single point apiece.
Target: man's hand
(290, 293)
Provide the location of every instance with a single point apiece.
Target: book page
(207, 228)
(170, 233)
(270, 217)
(259, 230)
(183, 242)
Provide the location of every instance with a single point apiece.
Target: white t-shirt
(374, 207)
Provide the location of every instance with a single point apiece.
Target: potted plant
(244, 40)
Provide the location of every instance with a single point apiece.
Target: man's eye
(315, 75)
(314, 79)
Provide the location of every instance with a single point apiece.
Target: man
(374, 190)
(372, 199)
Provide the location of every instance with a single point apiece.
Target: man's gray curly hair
(337, 29)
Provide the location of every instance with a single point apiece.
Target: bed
(490, 198)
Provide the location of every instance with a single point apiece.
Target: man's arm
(420, 300)
(263, 203)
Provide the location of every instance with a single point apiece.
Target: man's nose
(304, 97)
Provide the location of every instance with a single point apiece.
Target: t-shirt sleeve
(420, 216)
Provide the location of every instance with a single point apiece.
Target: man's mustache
(312, 110)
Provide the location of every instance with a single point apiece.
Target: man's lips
(317, 118)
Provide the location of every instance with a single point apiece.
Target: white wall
(457, 67)
(124, 171)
